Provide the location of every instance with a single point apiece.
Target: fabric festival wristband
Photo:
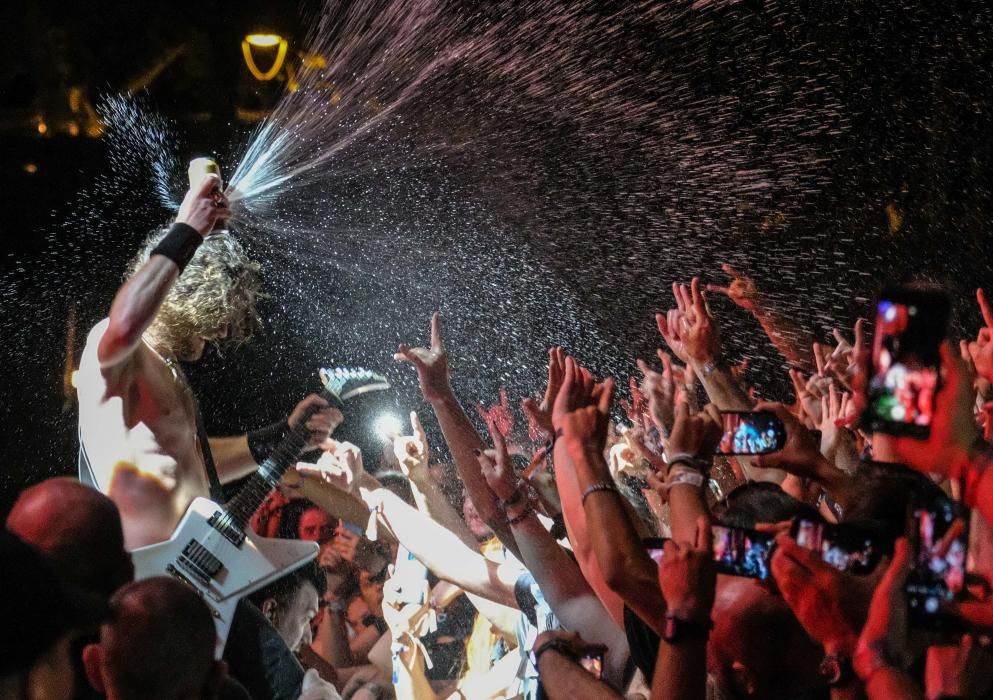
(597, 486)
(262, 441)
(683, 476)
(179, 245)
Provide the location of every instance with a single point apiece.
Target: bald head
(757, 647)
(78, 529)
(159, 644)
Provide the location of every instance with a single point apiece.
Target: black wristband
(180, 244)
(262, 441)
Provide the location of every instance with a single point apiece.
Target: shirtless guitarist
(138, 417)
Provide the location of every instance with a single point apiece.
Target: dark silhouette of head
(158, 645)
(78, 529)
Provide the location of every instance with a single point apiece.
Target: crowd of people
(606, 551)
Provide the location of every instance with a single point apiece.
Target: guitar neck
(242, 507)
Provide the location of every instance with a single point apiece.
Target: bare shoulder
(110, 380)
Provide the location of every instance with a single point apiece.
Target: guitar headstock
(344, 383)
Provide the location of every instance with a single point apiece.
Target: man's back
(138, 427)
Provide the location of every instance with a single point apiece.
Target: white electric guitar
(212, 548)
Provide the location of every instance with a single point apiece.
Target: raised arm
(627, 569)
(571, 496)
(138, 301)
(413, 454)
(688, 579)
(460, 435)
(558, 654)
(557, 575)
(442, 551)
(789, 339)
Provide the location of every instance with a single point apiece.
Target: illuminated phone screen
(741, 552)
(751, 433)
(906, 364)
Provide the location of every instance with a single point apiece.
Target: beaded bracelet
(520, 516)
(597, 486)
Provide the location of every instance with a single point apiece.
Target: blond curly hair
(218, 289)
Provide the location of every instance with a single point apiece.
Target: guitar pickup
(199, 562)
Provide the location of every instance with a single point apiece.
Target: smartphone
(742, 552)
(591, 661)
(411, 576)
(655, 546)
(905, 365)
(941, 542)
(845, 547)
(751, 433)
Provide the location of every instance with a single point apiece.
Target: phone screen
(843, 547)
(906, 363)
(655, 546)
(410, 574)
(751, 433)
(941, 535)
(741, 552)
(593, 663)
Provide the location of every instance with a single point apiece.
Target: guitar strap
(216, 490)
(89, 478)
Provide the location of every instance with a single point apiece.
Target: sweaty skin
(139, 429)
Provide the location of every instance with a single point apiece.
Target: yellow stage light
(264, 41)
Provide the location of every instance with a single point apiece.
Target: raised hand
(884, 636)
(412, 451)
(498, 413)
(636, 409)
(497, 467)
(845, 362)
(741, 290)
(809, 392)
(581, 411)
(801, 454)
(345, 543)
(539, 415)
(660, 390)
(695, 434)
(322, 422)
(815, 593)
(688, 576)
(954, 433)
(690, 330)
(204, 205)
(431, 364)
(981, 349)
(835, 414)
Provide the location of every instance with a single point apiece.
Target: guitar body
(221, 571)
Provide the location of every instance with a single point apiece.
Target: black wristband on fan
(180, 244)
(262, 441)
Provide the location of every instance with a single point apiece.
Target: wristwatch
(678, 630)
(559, 645)
(836, 670)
